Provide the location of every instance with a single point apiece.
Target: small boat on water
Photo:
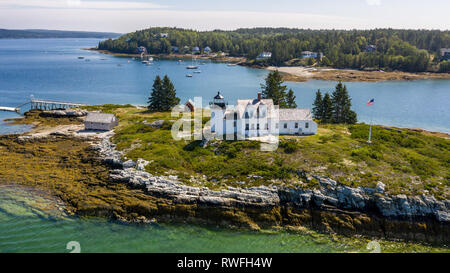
(193, 65)
(150, 59)
(80, 57)
(197, 71)
(189, 75)
(145, 62)
(231, 64)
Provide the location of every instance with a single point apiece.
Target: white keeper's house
(257, 118)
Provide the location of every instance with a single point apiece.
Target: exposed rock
(380, 187)
(156, 123)
(330, 193)
(129, 164)
(141, 164)
(65, 113)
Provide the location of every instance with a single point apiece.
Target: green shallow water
(32, 221)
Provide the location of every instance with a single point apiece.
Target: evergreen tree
(273, 89)
(156, 97)
(170, 98)
(327, 109)
(341, 105)
(290, 99)
(318, 106)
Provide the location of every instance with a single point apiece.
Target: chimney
(259, 96)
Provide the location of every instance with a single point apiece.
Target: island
(301, 54)
(334, 182)
(46, 33)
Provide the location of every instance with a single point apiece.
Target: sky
(129, 15)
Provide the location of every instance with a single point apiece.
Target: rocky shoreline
(332, 207)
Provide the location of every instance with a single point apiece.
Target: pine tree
(327, 109)
(273, 89)
(290, 99)
(170, 98)
(156, 97)
(318, 106)
(341, 106)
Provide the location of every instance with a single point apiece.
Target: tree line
(406, 50)
(334, 108)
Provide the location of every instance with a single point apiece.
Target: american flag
(370, 102)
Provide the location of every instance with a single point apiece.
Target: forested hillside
(405, 50)
(45, 33)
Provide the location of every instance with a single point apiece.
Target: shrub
(289, 146)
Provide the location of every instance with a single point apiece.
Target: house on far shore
(195, 50)
(370, 48)
(164, 35)
(174, 49)
(186, 49)
(141, 49)
(264, 55)
(310, 54)
(445, 54)
(207, 50)
(100, 121)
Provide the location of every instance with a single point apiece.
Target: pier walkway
(43, 105)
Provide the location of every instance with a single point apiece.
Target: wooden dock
(43, 105)
(51, 104)
(9, 109)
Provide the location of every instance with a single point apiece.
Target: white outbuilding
(100, 121)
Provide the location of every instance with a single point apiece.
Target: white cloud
(373, 2)
(78, 4)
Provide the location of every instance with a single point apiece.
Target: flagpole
(369, 141)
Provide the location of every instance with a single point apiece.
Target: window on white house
(257, 126)
(285, 125)
(213, 128)
(246, 126)
(234, 123)
(296, 125)
(307, 125)
(267, 126)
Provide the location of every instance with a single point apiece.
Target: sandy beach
(301, 74)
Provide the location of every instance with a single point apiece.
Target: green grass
(406, 161)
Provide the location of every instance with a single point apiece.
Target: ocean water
(50, 69)
(33, 222)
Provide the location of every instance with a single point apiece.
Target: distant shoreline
(303, 73)
(236, 60)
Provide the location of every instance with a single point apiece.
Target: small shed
(100, 121)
